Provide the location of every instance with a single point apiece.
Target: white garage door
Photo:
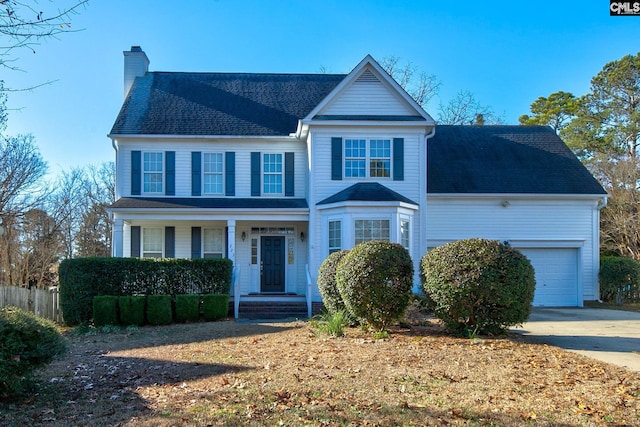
(556, 276)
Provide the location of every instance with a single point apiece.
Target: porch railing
(236, 291)
(309, 290)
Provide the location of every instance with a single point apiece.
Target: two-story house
(276, 171)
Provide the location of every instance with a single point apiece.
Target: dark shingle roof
(221, 103)
(207, 203)
(366, 192)
(504, 159)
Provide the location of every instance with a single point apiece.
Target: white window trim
(142, 248)
(263, 173)
(161, 172)
(367, 158)
(204, 173)
(407, 220)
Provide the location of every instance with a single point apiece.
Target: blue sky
(506, 53)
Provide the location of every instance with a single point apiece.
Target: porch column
(116, 242)
(231, 248)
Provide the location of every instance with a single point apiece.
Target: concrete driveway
(612, 336)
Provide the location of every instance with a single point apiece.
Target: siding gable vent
(367, 77)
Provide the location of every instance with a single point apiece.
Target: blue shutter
(170, 173)
(135, 241)
(169, 242)
(398, 159)
(289, 174)
(255, 174)
(336, 159)
(196, 173)
(196, 242)
(230, 174)
(136, 173)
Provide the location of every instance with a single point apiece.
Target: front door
(272, 264)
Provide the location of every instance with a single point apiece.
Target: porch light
(301, 236)
(243, 236)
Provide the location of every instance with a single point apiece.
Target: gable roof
(366, 192)
(504, 159)
(241, 104)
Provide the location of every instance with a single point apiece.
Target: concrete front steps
(272, 307)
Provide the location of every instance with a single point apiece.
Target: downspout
(423, 209)
(602, 203)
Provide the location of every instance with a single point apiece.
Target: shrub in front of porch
(478, 285)
(131, 309)
(215, 306)
(375, 280)
(105, 310)
(159, 310)
(187, 308)
(327, 282)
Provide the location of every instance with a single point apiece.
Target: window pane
(355, 156)
(213, 183)
(152, 242)
(212, 243)
(335, 236)
(272, 176)
(371, 229)
(380, 158)
(404, 234)
(152, 172)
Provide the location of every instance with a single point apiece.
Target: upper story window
(213, 173)
(358, 153)
(152, 172)
(272, 173)
(371, 229)
(152, 242)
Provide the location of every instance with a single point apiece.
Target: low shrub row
(81, 279)
(158, 309)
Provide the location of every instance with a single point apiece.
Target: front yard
(229, 373)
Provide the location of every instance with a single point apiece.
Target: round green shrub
(375, 280)
(619, 278)
(327, 282)
(27, 342)
(478, 285)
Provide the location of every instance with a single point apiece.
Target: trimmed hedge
(132, 309)
(187, 308)
(478, 285)
(215, 306)
(105, 310)
(159, 311)
(81, 279)
(375, 280)
(327, 282)
(27, 342)
(619, 279)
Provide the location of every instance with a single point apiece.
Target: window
(212, 243)
(355, 158)
(380, 158)
(152, 242)
(371, 229)
(212, 170)
(152, 172)
(335, 236)
(404, 233)
(254, 251)
(272, 176)
(375, 152)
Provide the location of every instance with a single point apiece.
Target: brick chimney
(136, 64)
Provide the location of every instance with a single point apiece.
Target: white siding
(241, 147)
(368, 97)
(524, 223)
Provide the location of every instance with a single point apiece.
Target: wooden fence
(41, 302)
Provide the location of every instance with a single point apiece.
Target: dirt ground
(230, 373)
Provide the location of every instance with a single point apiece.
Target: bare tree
(464, 109)
(25, 23)
(421, 87)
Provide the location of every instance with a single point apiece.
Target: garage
(556, 272)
